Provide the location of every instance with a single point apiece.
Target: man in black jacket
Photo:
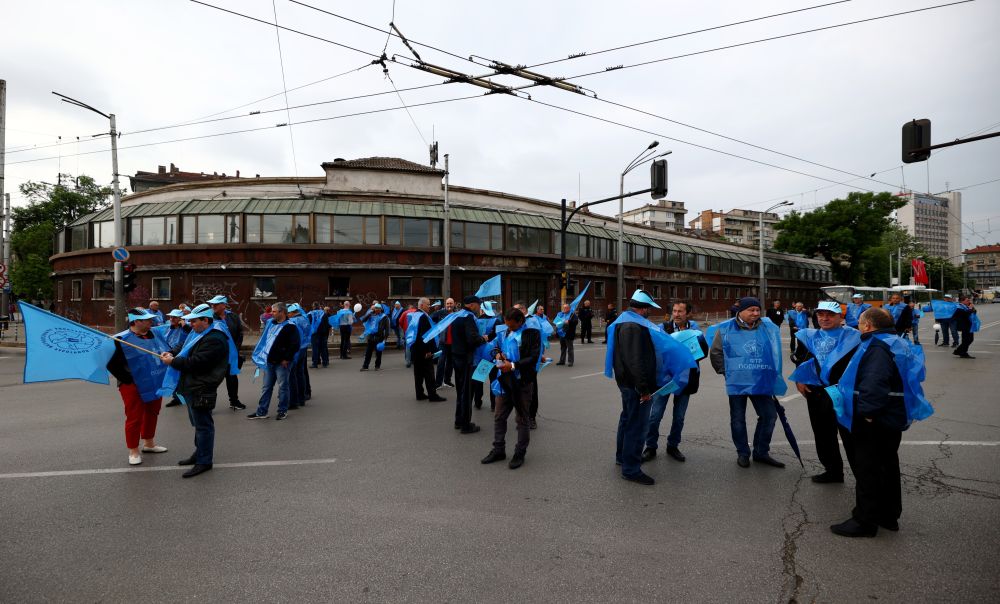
(679, 321)
(963, 322)
(381, 334)
(422, 355)
(879, 418)
(609, 318)
(234, 327)
(634, 362)
(444, 364)
(516, 378)
(465, 339)
(567, 333)
(281, 344)
(776, 313)
(202, 369)
(586, 323)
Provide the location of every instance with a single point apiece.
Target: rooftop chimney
(237, 174)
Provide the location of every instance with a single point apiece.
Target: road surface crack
(794, 524)
(929, 481)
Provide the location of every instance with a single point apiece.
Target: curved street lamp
(645, 156)
(760, 240)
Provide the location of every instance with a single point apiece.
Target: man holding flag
(139, 373)
(175, 333)
(194, 374)
(376, 333)
(645, 362)
(229, 323)
(566, 322)
(422, 353)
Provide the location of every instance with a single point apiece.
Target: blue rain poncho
(828, 348)
(673, 360)
(752, 358)
(147, 370)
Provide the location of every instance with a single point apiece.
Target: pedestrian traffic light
(916, 135)
(658, 179)
(128, 277)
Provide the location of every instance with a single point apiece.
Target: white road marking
(789, 397)
(576, 377)
(246, 464)
(932, 443)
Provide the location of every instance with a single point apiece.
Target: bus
(877, 296)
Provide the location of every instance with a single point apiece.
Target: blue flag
(489, 288)
(574, 303)
(60, 349)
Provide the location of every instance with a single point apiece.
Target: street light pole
(446, 281)
(760, 242)
(120, 322)
(638, 161)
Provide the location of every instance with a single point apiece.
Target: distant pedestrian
(586, 323)
(465, 339)
(854, 310)
(319, 325)
(798, 318)
(232, 327)
(422, 353)
(566, 322)
(154, 308)
(299, 384)
(776, 313)
(376, 334)
(966, 320)
(275, 355)
(609, 318)
(394, 314)
(345, 325)
(444, 364)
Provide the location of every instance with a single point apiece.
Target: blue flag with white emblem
(60, 349)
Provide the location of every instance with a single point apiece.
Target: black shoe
(560, 363)
(676, 453)
(449, 384)
(197, 469)
(364, 369)
(187, 462)
(421, 397)
(532, 424)
(517, 461)
(436, 399)
(313, 367)
(743, 461)
(293, 407)
(966, 356)
(828, 478)
(478, 404)
(648, 455)
(280, 416)
(173, 403)
(770, 461)
(590, 341)
(640, 478)
(889, 525)
(458, 426)
(570, 365)
(237, 406)
(255, 416)
(853, 528)
(470, 429)
(494, 455)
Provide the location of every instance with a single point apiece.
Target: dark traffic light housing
(658, 179)
(128, 277)
(916, 135)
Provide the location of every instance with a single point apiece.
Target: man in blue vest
(798, 318)
(234, 329)
(678, 322)
(422, 353)
(298, 381)
(566, 322)
(643, 360)
(175, 333)
(966, 321)
(944, 311)
(199, 365)
(397, 310)
(320, 335)
(854, 310)
(747, 350)
(154, 308)
(376, 333)
(822, 357)
(465, 339)
(275, 355)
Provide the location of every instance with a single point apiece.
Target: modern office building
(935, 221)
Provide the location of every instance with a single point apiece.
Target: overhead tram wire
(284, 86)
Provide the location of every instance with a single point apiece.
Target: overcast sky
(836, 97)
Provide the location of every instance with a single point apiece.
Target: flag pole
(155, 354)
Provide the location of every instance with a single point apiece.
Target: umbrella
(788, 430)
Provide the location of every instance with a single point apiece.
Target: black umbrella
(788, 430)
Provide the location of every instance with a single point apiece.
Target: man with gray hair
(422, 354)
(275, 354)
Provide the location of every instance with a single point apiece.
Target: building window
(339, 287)
(104, 233)
(702, 264)
(400, 286)
(656, 292)
(373, 230)
(189, 230)
(171, 230)
(728, 293)
(433, 286)
(687, 260)
(277, 228)
(496, 237)
(78, 238)
(264, 287)
(598, 289)
(701, 293)
(349, 230)
(76, 289)
(526, 291)
(233, 230)
(59, 291)
(416, 232)
(673, 259)
(152, 230)
(104, 288)
(457, 233)
(656, 256)
(133, 231)
(160, 289)
(715, 293)
(688, 293)
(252, 228)
(300, 229)
(673, 292)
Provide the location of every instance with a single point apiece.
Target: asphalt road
(393, 504)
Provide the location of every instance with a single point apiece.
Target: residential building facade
(935, 221)
(664, 215)
(738, 226)
(982, 265)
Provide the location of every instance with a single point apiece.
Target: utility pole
(446, 282)
(120, 319)
(4, 235)
(762, 286)
(899, 265)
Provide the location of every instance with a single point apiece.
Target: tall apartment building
(738, 226)
(982, 265)
(665, 215)
(935, 221)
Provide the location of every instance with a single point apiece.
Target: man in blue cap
(822, 356)
(376, 334)
(854, 310)
(299, 379)
(234, 329)
(197, 368)
(175, 333)
(637, 362)
(275, 355)
(747, 350)
(487, 323)
(465, 339)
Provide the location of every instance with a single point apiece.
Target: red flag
(919, 272)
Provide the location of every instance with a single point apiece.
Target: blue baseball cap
(202, 311)
(294, 307)
(641, 299)
(829, 306)
(176, 313)
(220, 299)
(140, 314)
(488, 309)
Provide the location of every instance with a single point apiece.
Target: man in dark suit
(465, 339)
(586, 323)
(776, 313)
(963, 321)
(422, 355)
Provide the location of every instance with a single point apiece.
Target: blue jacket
(879, 386)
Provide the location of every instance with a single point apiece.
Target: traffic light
(658, 179)
(128, 277)
(916, 135)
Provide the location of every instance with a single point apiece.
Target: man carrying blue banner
(299, 386)
(195, 371)
(966, 320)
(422, 353)
(230, 324)
(175, 333)
(798, 318)
(944, 311)
(678, 323)
(747, 350)
(344, 321)
(644, 361)
(375, 335)
(566, 322)
(465, 339)
(275, 355)
(822, 357)
(854, 310)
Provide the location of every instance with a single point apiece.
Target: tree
(876, 259)
(953, 275)
(50, 208)
(841, 231)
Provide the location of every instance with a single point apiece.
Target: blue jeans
(204, 435)
(279, 374)
(767, 414)
(676, 425)
(632, 426)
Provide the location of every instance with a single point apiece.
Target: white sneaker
(156, 449)
(134, 460)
